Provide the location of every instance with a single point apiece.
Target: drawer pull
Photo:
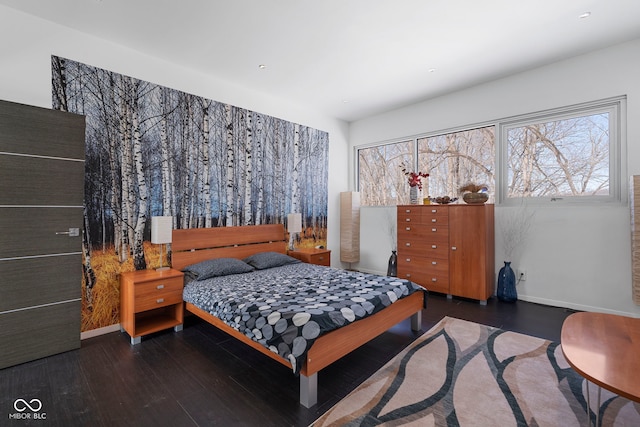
(433, 279)
(434, 220)
(160, 300)
(434, 229)
(434, 263)
(407, 244)
(160, 287)
(453, 248)
(408, 259)
(434, 210)
(408, 211)
(408, 220)
(321, 258)
(433, 246)
(408, 228)
(408, 275)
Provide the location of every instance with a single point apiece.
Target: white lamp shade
(294, 223)
(161, 228)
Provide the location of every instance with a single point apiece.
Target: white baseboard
(100, 331)
(572, 306)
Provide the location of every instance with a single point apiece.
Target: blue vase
(507, 284)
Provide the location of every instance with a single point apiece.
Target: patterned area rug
(464, 374)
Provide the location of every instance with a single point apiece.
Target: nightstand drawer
(158, 293)
(320, 259)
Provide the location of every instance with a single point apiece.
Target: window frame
(615, 107)
(618, 185)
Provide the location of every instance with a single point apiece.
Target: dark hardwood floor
(202, 377)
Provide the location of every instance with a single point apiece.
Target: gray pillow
(217, 267)
(264, 260)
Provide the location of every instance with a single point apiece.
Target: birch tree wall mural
(151, 150)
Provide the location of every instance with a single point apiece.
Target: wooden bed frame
(190, 246)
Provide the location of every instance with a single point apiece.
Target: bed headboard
(193, 245)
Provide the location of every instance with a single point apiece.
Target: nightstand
(312, 255)
(150, 301)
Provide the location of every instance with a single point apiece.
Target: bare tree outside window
(559, 158)
(454, 159)
(380, 176)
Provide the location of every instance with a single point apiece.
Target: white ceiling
(351, 58)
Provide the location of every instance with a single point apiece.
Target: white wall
(25, 77)
(577, 257)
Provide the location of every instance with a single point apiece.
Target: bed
(197, 246)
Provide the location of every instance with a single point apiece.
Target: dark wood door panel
(39, 332)
(26, 231)
(38, 281)
(50, 181)
(32, 130)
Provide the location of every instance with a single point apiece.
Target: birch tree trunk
(259, 155)
(248, 147)
(230, 166)
(126, 217)
(139, 261)
(206, 192)
(165, 149)
(295, 185)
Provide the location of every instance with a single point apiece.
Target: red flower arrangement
(414, 178)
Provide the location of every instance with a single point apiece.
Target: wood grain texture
(604, 349)
(39, 131)
(29, 231)
(448, 248)
(29, 282)
(38, 332)
(50, 181)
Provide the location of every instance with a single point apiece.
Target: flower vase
(507, 284)
(392, 269)
(413, 195)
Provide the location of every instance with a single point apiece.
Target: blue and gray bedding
(285, 304)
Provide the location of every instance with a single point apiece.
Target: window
(381, 181)
(451, 160)
(455, 159)
(570, 155)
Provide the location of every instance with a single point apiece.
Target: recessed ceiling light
(262, 66)
(585, 15)
(432, 70)
(345, 101)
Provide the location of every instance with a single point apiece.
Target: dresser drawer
(435, 215)
(409, 216)
(430, 233)
(430, 249)
(158, 293)
(421, 271)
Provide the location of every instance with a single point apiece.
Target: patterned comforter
(286, 308)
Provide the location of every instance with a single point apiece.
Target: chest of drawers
(448, 248)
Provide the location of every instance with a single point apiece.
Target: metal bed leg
(416, 321)
(309, 390)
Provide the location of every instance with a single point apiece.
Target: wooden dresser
(448, 248)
